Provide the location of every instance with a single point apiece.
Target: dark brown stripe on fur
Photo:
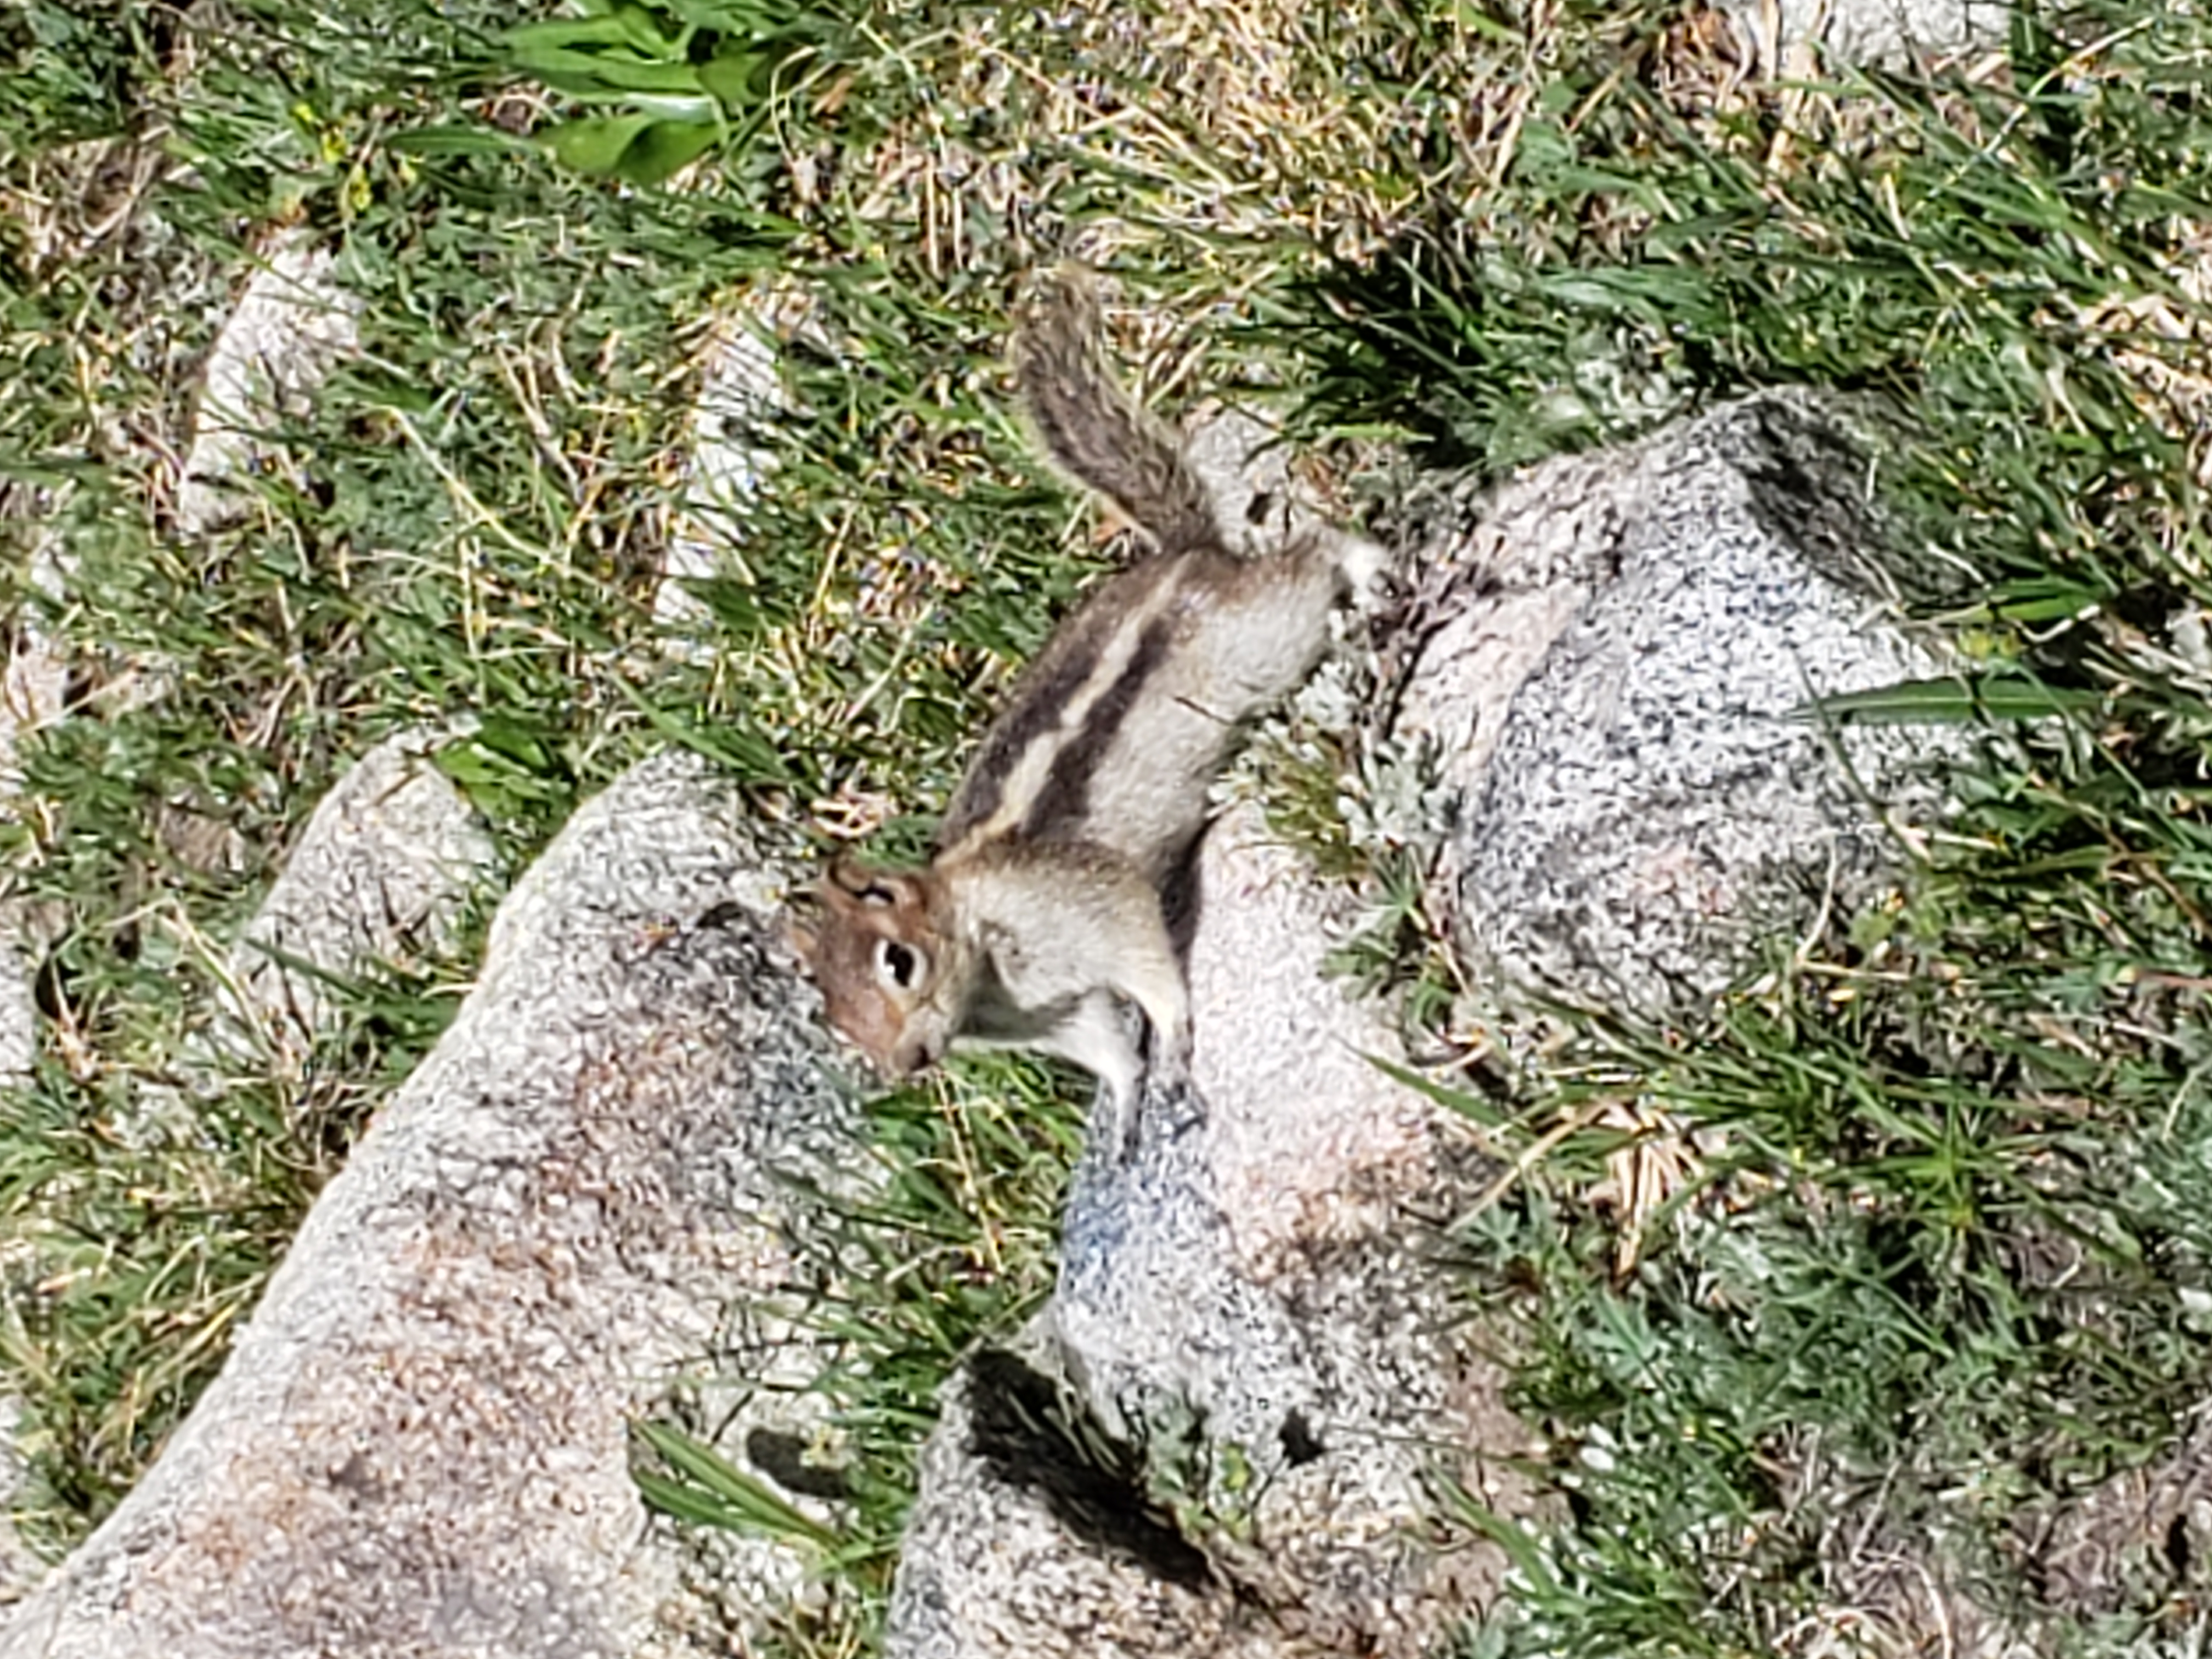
(1034, 711)
(1065, 797)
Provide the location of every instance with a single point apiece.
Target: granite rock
(419, 1445)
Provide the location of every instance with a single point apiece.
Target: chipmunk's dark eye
(899, 963)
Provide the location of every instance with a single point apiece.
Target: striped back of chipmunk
(1115, 734)
(1073, 716)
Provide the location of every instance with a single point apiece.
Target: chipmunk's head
(880, 959)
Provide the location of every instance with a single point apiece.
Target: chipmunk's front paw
(1168, 1059)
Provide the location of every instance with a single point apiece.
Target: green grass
(1944, 1260)
(470, 526)
(1941, 1264)
(429, 564)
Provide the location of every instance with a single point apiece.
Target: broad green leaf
(643, 148)
(601, 74)
(2045, 600)
(643, 29)
(694, 110)
(661, 150)
(740, 79)
(455, 140)
(733, 17)
(561, 34)
(622, 25)
(596, 144)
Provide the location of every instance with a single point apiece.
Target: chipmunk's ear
(852, 884)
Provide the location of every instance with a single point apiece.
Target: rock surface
(1221, 1436)
(20, 1571)
(382, 874)
(1251, 1332)
(738, 390)
(1866, 31)
(418, 1446)
(291, 326)
(571, 1198)
(1617, 689)
(19, 1026)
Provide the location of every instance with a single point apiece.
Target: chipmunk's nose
(918, 1055)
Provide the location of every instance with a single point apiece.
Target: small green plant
(694, 1483)
(673, 75)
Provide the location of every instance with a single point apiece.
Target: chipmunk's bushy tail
(1094, 431)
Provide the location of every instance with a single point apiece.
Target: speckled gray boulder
(419, 1444)
(383, 873)
(738, 391)
(20, 1571)
(1618, 691)
(1865, 31)
(292, 325)
(19, 1020)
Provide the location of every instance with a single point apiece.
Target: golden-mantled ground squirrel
(1042, 904)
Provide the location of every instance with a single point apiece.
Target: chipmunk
(1042, 905)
